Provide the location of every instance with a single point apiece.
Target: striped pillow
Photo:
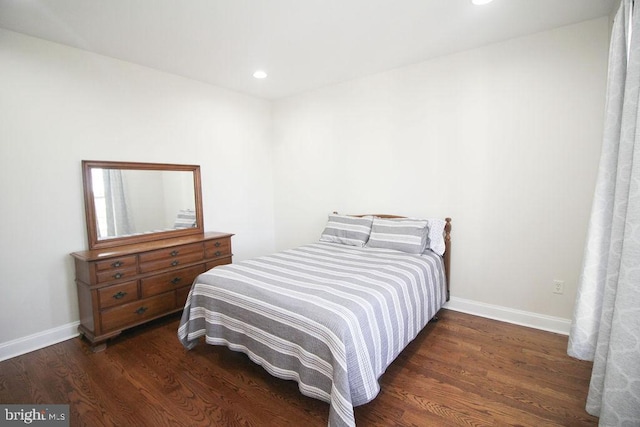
(347, 230)
(402, 234)
(186, 219)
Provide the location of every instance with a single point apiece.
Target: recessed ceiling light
(260, 74)
(480, 2)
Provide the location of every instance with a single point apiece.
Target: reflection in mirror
(136, 202)
(140, 201)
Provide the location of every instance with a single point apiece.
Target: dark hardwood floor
(461, 371)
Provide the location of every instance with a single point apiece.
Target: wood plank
(461, 371)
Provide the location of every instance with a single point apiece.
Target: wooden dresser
(124, 286)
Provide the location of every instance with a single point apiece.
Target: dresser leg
(96, 348)
(97, 344)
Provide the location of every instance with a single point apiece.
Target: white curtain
(118, 219)
(606, 322)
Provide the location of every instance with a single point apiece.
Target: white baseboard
(510, 315)
(38, 340)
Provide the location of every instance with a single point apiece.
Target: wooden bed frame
(446, 257)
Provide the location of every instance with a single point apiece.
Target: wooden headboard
(446, 257)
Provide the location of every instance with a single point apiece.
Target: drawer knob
(119, 295)
(174, 253)
(118, 275)
(141, 310)
(174, 263)
(217, 244)
(176, 280)
(117, 264)
(218, 253)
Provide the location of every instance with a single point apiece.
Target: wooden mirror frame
(92, 229)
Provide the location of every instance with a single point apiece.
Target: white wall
(505, 139)
(60, 105)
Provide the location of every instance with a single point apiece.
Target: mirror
(129, 202)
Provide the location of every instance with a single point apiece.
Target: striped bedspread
(329, 316)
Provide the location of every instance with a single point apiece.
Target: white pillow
(436, 235)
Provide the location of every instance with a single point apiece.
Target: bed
(331, 315)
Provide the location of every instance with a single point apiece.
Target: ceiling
(301, 44)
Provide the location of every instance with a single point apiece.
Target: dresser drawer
(116, 274)
(168, 253)
(123, 293)
(166, 263)
(136, 312)
(181, 296)
(168, 281)
(163, 259)
(217, 248)
(218, 262)
(126, 262)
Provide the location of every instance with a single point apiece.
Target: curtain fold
(118, 219)
(606, 322)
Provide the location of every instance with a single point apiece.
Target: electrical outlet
(558, 287)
